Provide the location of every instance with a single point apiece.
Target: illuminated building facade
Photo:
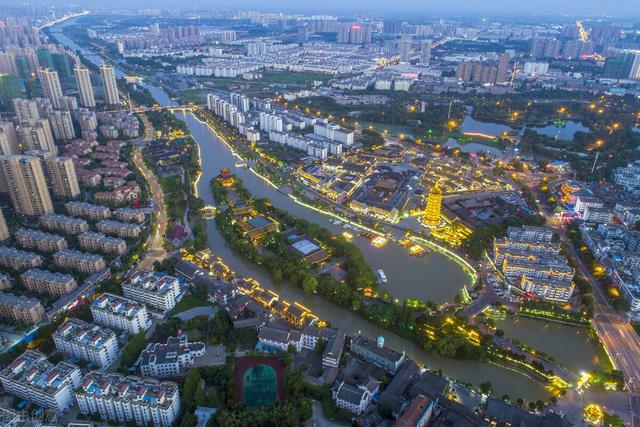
(434, 205)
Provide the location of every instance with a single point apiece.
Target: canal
(216, 155)
(433, 277)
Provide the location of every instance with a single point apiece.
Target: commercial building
(20, 309)
(48, 283)
(119, 398)
(36, 239)
(17, 259)
(120, 229)
(62, 178)
(24, 178)
(87, 210)
(87, 341)
(98, 242)
(32, 377)
(155, 289)
(112, 97)
(66, 224)
(50, 85)
(170, 359)
(80, 261)
(83, 81)
(120, 313)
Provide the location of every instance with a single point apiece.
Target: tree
(310, 284)
(486, 387)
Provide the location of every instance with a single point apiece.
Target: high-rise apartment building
(425, 51)
(83, 81)
(36, 135)
(50, 84)
(110, 85)
(404, 48)
(26, 184)
(9, 90)
(62, 125)
(4, 230)
(8, 139)
(503, 68)
(61, 174)
(26, 109)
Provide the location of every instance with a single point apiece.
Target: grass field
(188, 302)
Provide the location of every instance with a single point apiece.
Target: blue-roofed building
(120, 313)
(32, 377)
(116, 397)
(87, 341)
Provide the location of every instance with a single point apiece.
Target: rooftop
(130, 388)
(117, 305)
(34, 370)
(83, 333)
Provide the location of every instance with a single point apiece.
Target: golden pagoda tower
(434, 205)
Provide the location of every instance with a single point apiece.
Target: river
(432, 277)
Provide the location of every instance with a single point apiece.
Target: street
(155, 249)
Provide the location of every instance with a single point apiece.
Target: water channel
(432, 277)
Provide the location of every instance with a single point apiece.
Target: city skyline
(469, 8)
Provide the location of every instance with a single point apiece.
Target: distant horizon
(572, 8)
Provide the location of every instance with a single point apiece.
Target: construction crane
(584, 34)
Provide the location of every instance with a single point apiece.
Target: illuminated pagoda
(226, 177)
(434, 205)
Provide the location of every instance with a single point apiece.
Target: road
(618, 337)
(155, 248)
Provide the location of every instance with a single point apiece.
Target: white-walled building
(87, 341)
(155, 289)
(170, 359)
(116, 397)
(120, 313)
(32, 377)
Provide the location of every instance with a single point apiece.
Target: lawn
(190, 301)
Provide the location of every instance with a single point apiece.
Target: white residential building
(120, 313)
(119, 398)
(87, 341)
(155, 289)
(170, 359)
(32, 377)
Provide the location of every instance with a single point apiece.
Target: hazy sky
(622, 8)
